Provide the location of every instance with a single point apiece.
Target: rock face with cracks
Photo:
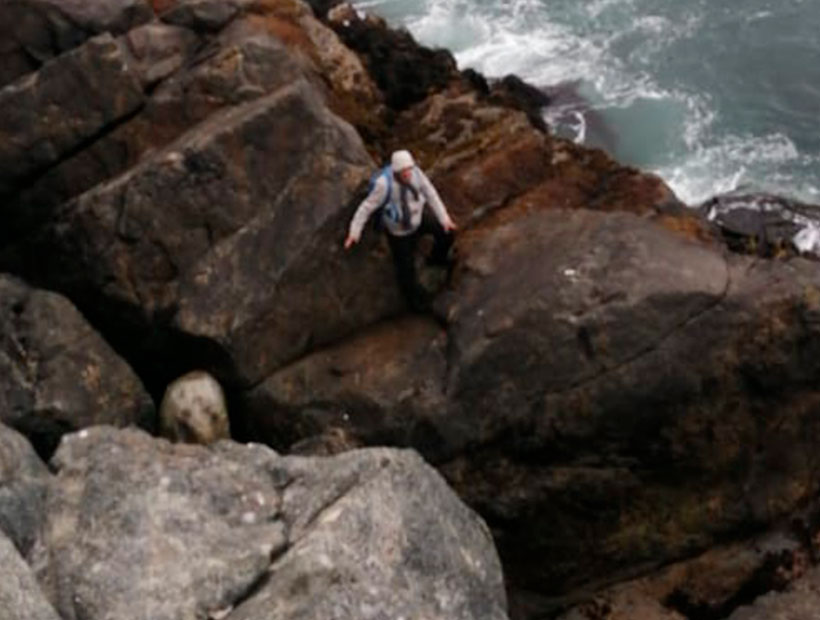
(141, 528)
(57, 373)
(20, 595)
(604, 386)
(24, 481)
(601, 378)
(219, 238)
(47, 114)
(34, 31)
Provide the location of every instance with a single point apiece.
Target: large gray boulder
(24, 481)
(56, 373)
(140, 528)
(20, 595)
(378, 534)
(230, 238)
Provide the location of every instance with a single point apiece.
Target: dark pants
(404, 250)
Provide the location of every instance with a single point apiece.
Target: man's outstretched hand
(450, 226)
(350, 242)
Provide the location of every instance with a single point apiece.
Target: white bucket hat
(401, 160)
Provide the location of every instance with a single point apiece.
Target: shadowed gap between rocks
(769, 577)
(777, 572)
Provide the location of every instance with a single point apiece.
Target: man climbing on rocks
(398, 194)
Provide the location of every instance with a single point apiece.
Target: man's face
(405, 174)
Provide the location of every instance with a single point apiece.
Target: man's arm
(365, 210)
(434, 200)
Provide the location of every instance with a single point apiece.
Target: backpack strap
(387, 172)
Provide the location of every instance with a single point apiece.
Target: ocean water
(714, 96)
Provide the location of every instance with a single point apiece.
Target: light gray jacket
(427, 194)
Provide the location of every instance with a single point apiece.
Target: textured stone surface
(377, 534)
(201, 15)
(20, 596)
(34, 31)
(23, 484)
(714, 584)
(231, 235)
(239, 66)
(405, 71)
(609, 393)
(385, 386)
(71, 98)
(141, 528)
(801, 600)
(158, 50)
(635, 384)
(58, 374)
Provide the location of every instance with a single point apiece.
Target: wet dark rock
(714, 585)
(761, 224)
(383, 387)
(227, 241)
(240, 69)
(45, 116)
(138, 527)
(405, 71)
(321, 7)
(58, 374)
(477, 81)
(511, 91)
(34, 31)
(114, 16)
(24, 481)
(201, 15)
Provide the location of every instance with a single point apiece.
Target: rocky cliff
(611, 384)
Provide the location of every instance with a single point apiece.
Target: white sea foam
(622, 57)
(724, 165)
